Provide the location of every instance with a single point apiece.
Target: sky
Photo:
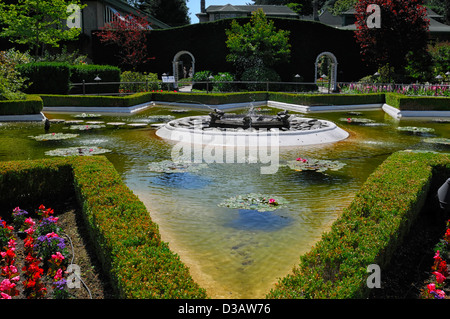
(194, 6)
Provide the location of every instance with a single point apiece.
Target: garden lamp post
(443, 194)
(210, 78)
(97, 80)
(297, 78)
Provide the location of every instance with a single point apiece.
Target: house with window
(96, 14)
(217, 12)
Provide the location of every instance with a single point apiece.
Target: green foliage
(46, 77)
(128, 244)
(37, 22)
(257, 43)
(32, 104)
(147, 82)
(440, 54)
(11, 81)
(418, 103)
(96, 100)
(368, 231)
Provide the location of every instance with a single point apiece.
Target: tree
(38, 23)
(129, 34)
(257, 43)
(401, 36)
(171, 12)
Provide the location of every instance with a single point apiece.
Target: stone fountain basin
(195, 130)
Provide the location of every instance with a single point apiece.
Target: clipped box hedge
(327, 99)
(418, 103)
(127, 242)
(33, 104)
(210, 98)
(368, 231)
(96, 100)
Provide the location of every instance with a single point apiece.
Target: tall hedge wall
(206, 41)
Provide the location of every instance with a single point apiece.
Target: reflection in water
(235, 253)
(180, 180)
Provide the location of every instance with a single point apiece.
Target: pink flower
(29, 231)
(6, 285)
(58, 256)
(440, 278)
(51, 235)
(58, 275)
(30, 221)
(5, 296)
(12, 244)
(436, 255)
(272, 201)
(431, 287)
(440, 293)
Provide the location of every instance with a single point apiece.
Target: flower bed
(30, 268)
(126, 242)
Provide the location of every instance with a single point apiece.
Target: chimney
(202, 6)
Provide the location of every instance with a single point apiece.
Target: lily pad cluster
(311, 164)
(415, 129)
(167, 166)
(53, 137)
(87, 115)
(78, 151)
(438, 140)
(253, 201)
(86, 127)
(357, 120)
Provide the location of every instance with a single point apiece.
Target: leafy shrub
(149, 81)
(46, 77)
(201, 76)
(223, 87)
(260, 74)
(11, 81)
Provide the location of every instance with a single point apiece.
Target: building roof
(125, 7)
(269, 10)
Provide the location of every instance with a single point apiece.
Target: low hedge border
(327, 99)
(418, 103)
(368, 231)
(96, 100)
(139, 264)
(33, 104)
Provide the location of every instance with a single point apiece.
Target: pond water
(234, 253)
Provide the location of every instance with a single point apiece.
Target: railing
(322, 87)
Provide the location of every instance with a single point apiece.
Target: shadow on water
(180, 180)
(253, 220)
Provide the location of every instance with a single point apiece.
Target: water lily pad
(53, 137)
(86, 127)
(87, 115)
(156, 118)
(438, 140)
(167, 166)
(354, 120)
(416, 130)
(259, 202)
(311, 164)
(78, 151)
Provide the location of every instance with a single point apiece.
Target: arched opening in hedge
(333, 68)
(179, 66)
